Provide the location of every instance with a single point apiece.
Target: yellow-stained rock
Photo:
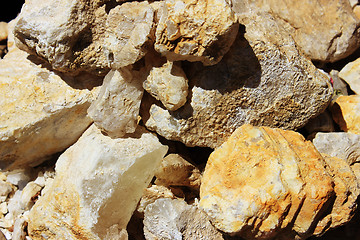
(265, 182)
(351, 74)
(346, 113)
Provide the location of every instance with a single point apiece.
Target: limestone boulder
(325, 30)
(346, 113)
(68, 34)
(41, 113)
(200, 30)
(263, 80)
(97, 187)
(116, 109)
(351, 75)
(264, 183)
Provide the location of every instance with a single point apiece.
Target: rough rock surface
(168, 84)
(68, 34)
(40, 113)
(264, 182)
(116, 109)
(351, 75)
(325, 30)
(97, 187)
(200, 30)
(174, 219)
(128, 33)
(346, 113)
(263, 80)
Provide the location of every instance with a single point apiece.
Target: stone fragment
(19, 177)
(346, 113)
(325, 30)
(97, 187)
(176, 171)
(3, 31)
(116, 109)
(168, 84)
(357, 11)
(264, 183)
(351, 74)
(263, 80)
(19, 229)
(200, 30)
(151, 194)
(5, 189)
(40, 113)
(28, 195)
(340, 87)
(129, 27)
(2, 236)
(68, 34)
(174, 219)
(337, 144)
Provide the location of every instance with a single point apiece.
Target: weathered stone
(5, 189)
(176, 171)
(128, 33)
(346, 113)
(68, 34)
(264, 183)
(116, 109)
(3, 31)
(339, 85)
(40, 113)
(168, 84)
(19, 229)
(262, 80)
(351, 74)
(174, 219)
(97, 187)
(337, 144)
(200, 30)
(325, 30)
(151, 194)
(30, 191)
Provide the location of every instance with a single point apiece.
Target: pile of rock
(110, 108)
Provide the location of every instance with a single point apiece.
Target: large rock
(346, 113)
(351, 74)
(262, 80)
(97, 187)
(264, 183)
(174, 219)
(331, 24)
(128, 33)
(40, 113)
(116, 109)
(200, 30)
(68, 34)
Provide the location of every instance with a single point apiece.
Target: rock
(5, 189)
(337, 144)
(14, 208)
(68, 35)
(128, 33)
(176, 171)
(346, 113)
(351, 74)
(3, 31)
(151, 194)
(264, 183)
(340, 87)
(19, 229)
(3, 208)
(116, 109)
(332, 25)
(2, 236)
(40, 113)
(357, 11)
(19, 177)
(173, 219)
(200, 30)
(263, 80)
(97, 187)
(28, 195)
(168, 84)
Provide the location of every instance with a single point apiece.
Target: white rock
(116, 109)
(97, 186)
(168, 84)
(5, 189)
(27, 195)
(351, 74)
(14, 207)
(19, 229)
(3, 208)
(19, 177)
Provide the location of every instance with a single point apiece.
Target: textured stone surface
(263, 80)
(116, 109)
(3, 31)
(351, 74)
(264, 182)
(200, 30)
(346, 113)
(68, 34)
(325, 30)
(40, 113)
(168, 84)
(128, 33)
(174, 219)
(97, 187)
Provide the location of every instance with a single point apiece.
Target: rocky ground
(179, 119)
